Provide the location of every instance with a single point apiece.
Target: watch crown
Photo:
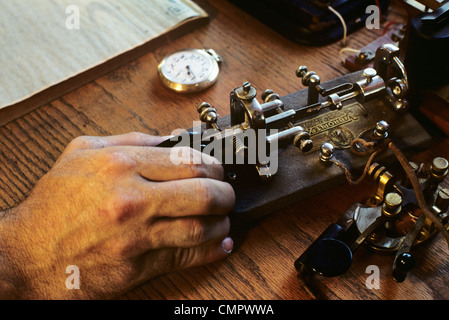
(214, 55)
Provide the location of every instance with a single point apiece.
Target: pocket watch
(190, 70)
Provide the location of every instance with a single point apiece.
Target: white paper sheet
(41, 47)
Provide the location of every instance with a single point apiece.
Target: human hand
(118, 209)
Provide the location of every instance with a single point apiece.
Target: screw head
(266, 93)
(327, 152)
(442, 200)
(232, 176)
(301, 71)
(269, 95)
(440, 164)
(202, 106)
(392, 205)
(246, 91)
(303, 142)
(397, 90)
(211, 116)
(381, 130)
(314, 79)
(439, 168)
(365, 56)
(369, 74)
(246, 87)
(306, 145)
(393, 200)
(327, 149)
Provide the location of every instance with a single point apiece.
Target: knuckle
(182, 258)
(197, 170)
(125, 207)
(190, 158)
(190, 155)
(206, 170)
(115, 160)
(121, 207)
(136, 136)
(196, 234)
(204, 195)
(117, 248)
(87, 142)
(195, 163)
(79, 143)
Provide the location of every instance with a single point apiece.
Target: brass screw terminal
(303, 142)
(442, 200)
(269, 95)
(392, 205)
(208, 115)
(327, 152)
(246, 91)
(369, 74)
(381, 130)
(439, 168)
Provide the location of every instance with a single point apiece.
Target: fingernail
(228, 245)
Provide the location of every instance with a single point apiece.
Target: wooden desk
(131, 98)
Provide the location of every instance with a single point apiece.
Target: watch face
(189, 70)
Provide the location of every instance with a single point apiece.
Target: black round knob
(329, 257)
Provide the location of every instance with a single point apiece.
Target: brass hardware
(388, 56)
(340, 111)
(392, 205)
(208, 115)
(327, 152)
(384, 180)
(439, 168)
(312, 80)
(442, 200)
(381, 130)
(390, 221)
(369, 74)
(365, 56)
(273, 125)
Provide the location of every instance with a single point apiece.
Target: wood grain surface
(131, 98)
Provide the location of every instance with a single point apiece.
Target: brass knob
(439, 168)
(309, 78)
(369, 74)
(269, 95)
(392, 205)
(303, 142)
(442, 200)
(301, 71)
(246, 91)
(208, 114)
